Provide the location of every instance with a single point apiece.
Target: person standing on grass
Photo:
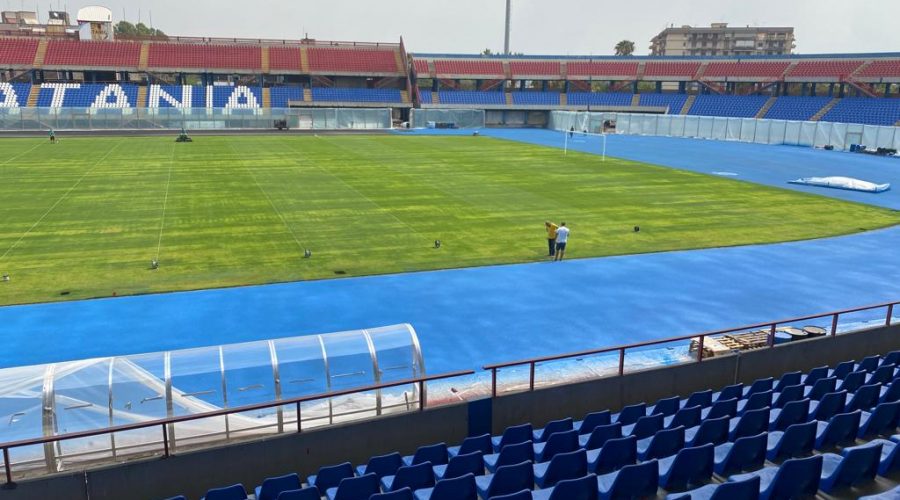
(551, 236)
(52, 136)
(562, 237)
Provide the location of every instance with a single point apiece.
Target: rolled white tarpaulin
(848, 183)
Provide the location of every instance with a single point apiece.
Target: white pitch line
(60, 200)
(23, 153)
(162, 221)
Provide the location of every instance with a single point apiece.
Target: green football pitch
(84, 218)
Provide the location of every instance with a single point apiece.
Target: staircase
(766, 107)
(563, 99)
(267, 97)
(264, 57)
(401, 67)
(33, 95)
(509, 99)
(404, 97)
(304, 61)
(563, 70)
(825, 109)
(142, 97)
(40, 53)
(507, 71)
(435, 98)
(688, 104)
(307, 95)
(640, 70)
(635, 99)
(143, 61)
(701, 70)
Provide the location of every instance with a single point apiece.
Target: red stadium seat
(88, 53)
(750, 69)
(421, 66)
(469, 67)
(185, 55)
(17, 51)
(528, 68)
(284, 58)
(602, 69)
(674, 69)
(882, 68)
(325, 60)
(824, 69)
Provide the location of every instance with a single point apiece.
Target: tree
(625, 48)
(487, 52)
(125, 28)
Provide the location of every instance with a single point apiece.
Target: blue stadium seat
(794, 478)
(738, 106)
(797, 440)
(509, 455)
(480, 443)
(663, 444)
(841, 430)
(414, 477)
(814, 375)
(852, 381)
(592, 420)
(842, 369)
(571, 465)
(631, 481)
(519, 495)
(759, 385)
(434, 453)
(672, 101)
(233, 492)
(560, 442)
(332, 94)
(745, 454)
(513, 435)
(507, 479)
(864, 398)
(748, 489)
(853, 466)
(787, 380)
(690, 466)
(645, 426)
(830, 405)
(472, 97)
(820, 388)
(794, 412)
(535, 98)
(884, 374)
(882, 420)
(666, 407)
(600, 435)
(311, 493)
(354, 488)
(425, 96)
(711, 430)
(459, 488)
(401, 494)
(788, 394)
(88, 95)
(280, 97)
(796, 107)
(735, 391)
(687, 417)
(460, 465)
(865, 110)
(891, 358)
(749, 424)
(381, 465)
(891, 392)
(724, 408)
(331, 476)
(892, 494)
(700, 398)
(614, 455)
(890, 456)
(16, 93)
(273, 486)
(541, 435)
(598, 99)
(162, 96)
(584, 488)
(630, 414)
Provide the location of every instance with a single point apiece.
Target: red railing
(162, 423)
(771, 326)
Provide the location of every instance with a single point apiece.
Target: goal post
(584, 141)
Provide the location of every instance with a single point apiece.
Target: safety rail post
(299, 424)
(700, 348)
(421, 395)
(621, 361)
(493, 382)
(8, 467)
(834, 322)
(165, 441)
(890, 313)
(772, 334)
(531, 376)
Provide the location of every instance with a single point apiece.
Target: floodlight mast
(506, 36)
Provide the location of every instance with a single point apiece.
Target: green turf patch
(84, 218)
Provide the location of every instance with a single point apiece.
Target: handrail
(771, 325)
(164, 422)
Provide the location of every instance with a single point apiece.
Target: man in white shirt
(562, 236)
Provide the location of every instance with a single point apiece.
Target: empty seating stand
(323, 94)
(17, 51)
(87, 54)
(823, 70)
(536, 98)
(882, 68)
(672, 101)
(468, 67)
(746, 106)
(865, 110)
(14, 95)
(676, 70)
(352, 60)
(522, 69)
(767, 70)
(796, 107)
(204, 56)
(609, 70)
(472, 97)
(284, 59)
(599, 99)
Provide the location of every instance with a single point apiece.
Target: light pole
(506, 36)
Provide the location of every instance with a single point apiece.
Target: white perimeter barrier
(760, 131)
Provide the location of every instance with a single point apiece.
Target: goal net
(584, 141)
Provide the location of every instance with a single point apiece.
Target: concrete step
(766, 107)
(688, 104)
(825, 109)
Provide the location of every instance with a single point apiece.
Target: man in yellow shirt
(551, 236)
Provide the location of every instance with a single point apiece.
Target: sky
(577, 27)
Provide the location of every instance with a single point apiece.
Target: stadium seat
(865, 110)
(711, 430)
(842, 369)
(535, 98)
(352, 60)
(584, 488)
(233, 492)
(746, 69)
(645, 426)
(614, 455)
(458, 488)
(833, 69)
(735, 391)
(88, 54)
(507, 479)
(353, 488)
(820, 388)
(674, 102)
(571, 465)
(521, 69)
(794, 478)
(736, 106)
(630, 414)
(203, 56)
(884, 374)
(891, 358)
(755, 401)
(592, 420)
(787, 380)
(541, 435)
(18, 51)
(882, 420)
(401, 494)
(460, 465)
(744, 454)
(690, 466)
(794, 412)
(284, 58)
(492, 97)
(748, 489)
(892, 494)
(788, 394)
(681, 69)
(702, 399)
(381, 465)
(796, 108)
(687, 417)
(663, 444)
(435, 453)
(331, 476)
(510, 455)
(723, 408)
(273, 486)
(853, 466)
(830, 405)
(841, 429)
(560, 442)
(356, 95)
(414, 477)
(631, 481)
(864, 398)
(868, 364)
(665, 407)
(814, 375)
(519, 495)
(759, 385)
(452, 67)
(890, 393)
(513, 435)
(480, 443)
(311, 493)
(749, 424)
(797, 440)
(598, 99)
(608, 70)
(599, 436)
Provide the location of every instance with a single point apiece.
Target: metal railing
(164, 423)
(701, 337)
